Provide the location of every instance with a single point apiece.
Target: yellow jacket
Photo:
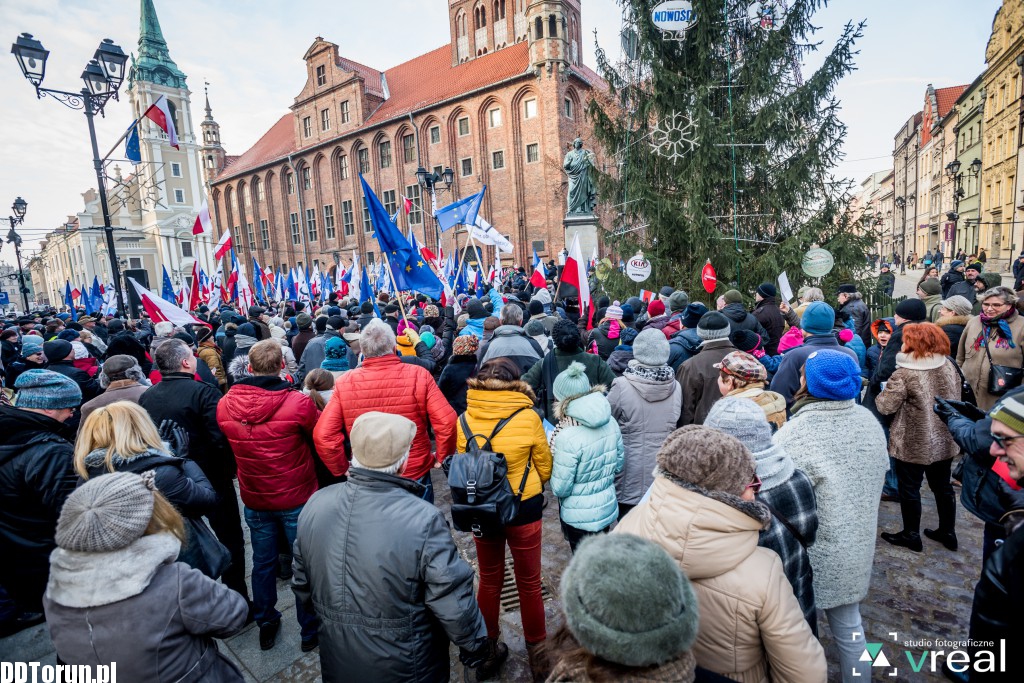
(487, 402)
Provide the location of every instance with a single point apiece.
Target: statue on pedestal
(579, 165)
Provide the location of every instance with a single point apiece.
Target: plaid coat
(794, 499)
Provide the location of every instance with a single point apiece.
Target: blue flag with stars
(168, 289)
(69, 300)
(366, 292)
(131, 145)
(461, 212)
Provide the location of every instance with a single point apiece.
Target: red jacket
(270, 428)
(387, 385)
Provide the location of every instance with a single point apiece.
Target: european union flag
(131, 145)
(409, 269)
(257, 281)
(96, 295)
(69, 300)
(462, 212)
(366, 292)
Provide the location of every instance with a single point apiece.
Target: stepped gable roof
(416, 84)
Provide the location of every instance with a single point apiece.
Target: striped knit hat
(1010, 411)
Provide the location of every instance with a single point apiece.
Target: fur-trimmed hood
(591, 409)
(501, 385)
(953, 320)
(80, 579)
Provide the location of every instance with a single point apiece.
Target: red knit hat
(656, 308)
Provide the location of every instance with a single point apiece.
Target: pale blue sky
(251, 52)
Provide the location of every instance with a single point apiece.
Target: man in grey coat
(379, 566)
(511, 341)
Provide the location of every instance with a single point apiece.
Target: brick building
(500, 104)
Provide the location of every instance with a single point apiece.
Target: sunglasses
(1006, 441)
(755, 483)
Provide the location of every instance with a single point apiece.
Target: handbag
(202, 549)
(966, 390)
(788, 524)
(1002, 378)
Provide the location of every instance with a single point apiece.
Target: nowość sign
(675, 15)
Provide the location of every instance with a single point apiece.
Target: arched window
(552, 26)
(538, 30)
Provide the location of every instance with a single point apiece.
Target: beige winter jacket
(975, 363)
(751, 626)
(917, 434)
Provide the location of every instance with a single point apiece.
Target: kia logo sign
(638, 269)
(676, 16)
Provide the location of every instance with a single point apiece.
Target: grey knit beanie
(46, 390)
(106, 513)
(743, 419)
(708, 458)
(678, 301)
(627, 601)
(651, 348)
(713, 325)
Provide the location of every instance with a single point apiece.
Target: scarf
(805, 401)
(774, 466)
(563, 423)
(998, 324)
(334, 364)
(649, 372)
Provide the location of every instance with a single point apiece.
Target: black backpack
(482, 499)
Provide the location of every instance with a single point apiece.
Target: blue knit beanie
(335, 355)
(46, 390)
(31, 343)
(818, 318)
(832, 375)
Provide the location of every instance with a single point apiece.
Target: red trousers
(524, 542)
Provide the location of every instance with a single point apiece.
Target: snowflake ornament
(674, 136)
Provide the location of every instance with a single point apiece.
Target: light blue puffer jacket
(587, 457)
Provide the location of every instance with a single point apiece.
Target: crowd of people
(716, 474)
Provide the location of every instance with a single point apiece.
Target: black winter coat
(739, 319)
(405, 594)
(948, 279)
(36, 476)
(193, 405)
(19, 366)
(605, 345)
(453, 381)
(858, 310)
(768, 314)
(998, 611)
(964, 289)
(683, 345)
(180, 480)
(90, 386)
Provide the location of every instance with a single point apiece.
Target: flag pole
(401, 306)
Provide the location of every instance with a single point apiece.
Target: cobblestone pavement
(916, 595)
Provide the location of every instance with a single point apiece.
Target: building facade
(1001, 234)
(968, 132)
(500, 104)
(153, 206)
(904, 158)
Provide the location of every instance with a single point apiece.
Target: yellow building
(1000, 235)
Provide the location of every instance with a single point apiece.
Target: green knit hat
(627, 601)
(1010, 411)
(571, 382)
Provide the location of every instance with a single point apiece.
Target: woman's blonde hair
(166, 518)
(123, 428)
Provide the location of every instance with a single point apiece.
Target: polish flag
(428, 256)
(223, 245)
(407, 203)
(193, 298)
(203, 223)
(160, 114)
(646, 296)
(163, 311)
(539, 279)
(573, 282)
(75, 293)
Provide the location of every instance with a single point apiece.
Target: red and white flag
(573, 282)
(407, 203)
(160, 114)
(647, 296)
(539, 279)
(203, 223)
(160, 310)
(193, 298)
(223, 245)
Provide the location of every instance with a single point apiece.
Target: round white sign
(676, 16)
(638, 268)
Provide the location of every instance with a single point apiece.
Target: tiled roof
(371, 77)
(423, 81)
(947, 97)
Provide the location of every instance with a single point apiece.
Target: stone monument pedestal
(586, 226)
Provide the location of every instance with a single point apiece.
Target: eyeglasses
(1005, 441)
(998, 304)
(755, 483)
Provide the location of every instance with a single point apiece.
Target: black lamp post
(434, 184)
(20, 208)
(102, 76)
(901, 204)
(954, 173)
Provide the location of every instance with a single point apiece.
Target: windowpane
(532, 152)
(329, 222)
(311, 224)
(343, 166)
(325, 119)
(494, 118)
(435, 134)
(296, 235)
(307, 179)
(498, 159)
(251, 235)
(409, 148)
(467, 167)
(321, 75)
(364, 160)
(385, 154)
(186, 250)
(415, 213)
(265, 234)
(568, 108)
(464, 126)
(390, 203)
(307, 126)
(529, 109)
(347, 220)
(344, 112)
(367, 224)
(290, 180)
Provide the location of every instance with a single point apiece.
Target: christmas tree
(723, 149)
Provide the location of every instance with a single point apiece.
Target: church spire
(206, 91)
(154, 63)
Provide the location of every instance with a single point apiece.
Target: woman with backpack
(494, 395)
(588, 452)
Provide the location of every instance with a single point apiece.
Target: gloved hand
(413, 335)
(946, 408)
(175, 436)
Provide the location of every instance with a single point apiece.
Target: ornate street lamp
(20, 208)
(435, 184)
(103, 76)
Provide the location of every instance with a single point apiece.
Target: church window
(538, 29)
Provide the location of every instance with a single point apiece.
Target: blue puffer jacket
(474, 327)
(587, 456)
